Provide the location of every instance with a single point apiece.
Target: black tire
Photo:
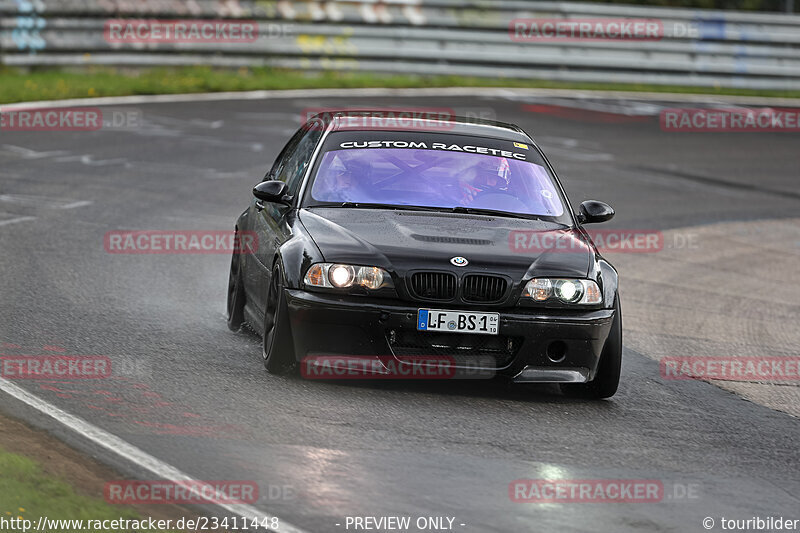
(278, 347)
(235, 294)
(606, 381)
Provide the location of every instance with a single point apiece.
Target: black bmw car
(396, 243)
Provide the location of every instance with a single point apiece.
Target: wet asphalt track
(195, 395)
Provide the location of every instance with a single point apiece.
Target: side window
(294, 165)
(284, 154)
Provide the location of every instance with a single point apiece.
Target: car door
(271, 221)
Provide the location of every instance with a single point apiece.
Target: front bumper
(533, 345)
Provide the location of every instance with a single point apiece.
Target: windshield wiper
(493, 212)
(369, 205)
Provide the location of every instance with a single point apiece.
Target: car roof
(440, 120)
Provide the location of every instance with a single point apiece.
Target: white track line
(497, 92)
(73, 205)
(130, 452)
(15, 220)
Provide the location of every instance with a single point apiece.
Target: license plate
(457, 321)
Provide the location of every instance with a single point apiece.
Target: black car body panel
(403, 241)
(327, 324)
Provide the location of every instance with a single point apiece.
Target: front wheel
(606, 381)
(278, 348)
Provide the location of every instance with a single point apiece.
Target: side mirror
(272, 191)
(592, 211)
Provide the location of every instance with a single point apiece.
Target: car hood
(404, 240)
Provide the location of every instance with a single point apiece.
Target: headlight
(341, 275)
(338, 276)
(568, 291)
(371, 277)
(539, 289)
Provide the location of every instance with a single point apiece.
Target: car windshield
(436, 179)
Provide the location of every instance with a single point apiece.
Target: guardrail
(473, 38)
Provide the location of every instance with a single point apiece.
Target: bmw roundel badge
(459, 261)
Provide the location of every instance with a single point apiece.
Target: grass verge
(54, 84)
(26, 493)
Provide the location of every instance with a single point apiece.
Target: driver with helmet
(485, 177)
